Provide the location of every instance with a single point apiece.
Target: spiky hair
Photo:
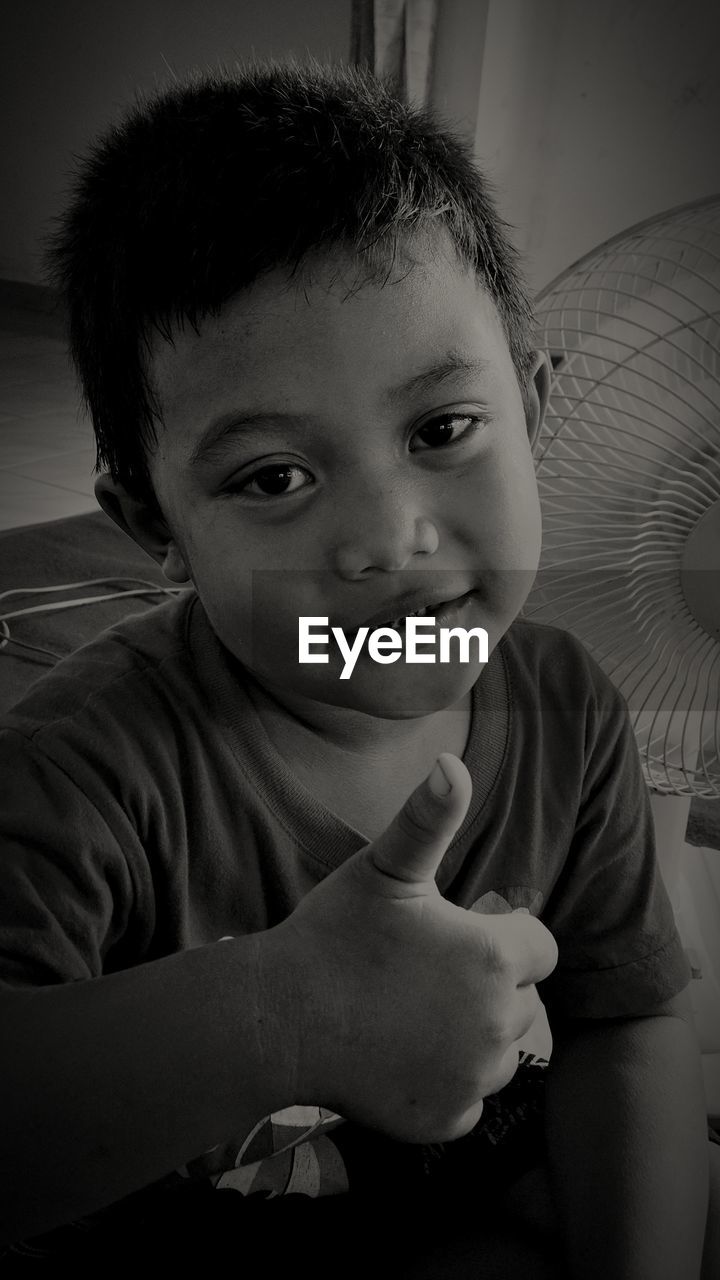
(205, 187)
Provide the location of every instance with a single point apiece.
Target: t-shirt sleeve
(66, 886)
(619, 950)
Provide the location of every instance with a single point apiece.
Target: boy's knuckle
(445, 1126)
(497, 962)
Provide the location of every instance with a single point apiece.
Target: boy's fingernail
(439, 783)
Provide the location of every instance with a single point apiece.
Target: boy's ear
(145, 524)
(537, 396)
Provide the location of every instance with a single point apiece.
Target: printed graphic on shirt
(290, 1152)
(509, 898)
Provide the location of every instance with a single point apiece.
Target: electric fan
(628, 466)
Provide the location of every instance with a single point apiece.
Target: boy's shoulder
(554, 662)
(555, 684)
(117, 678)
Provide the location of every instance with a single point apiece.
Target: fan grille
(628, 462)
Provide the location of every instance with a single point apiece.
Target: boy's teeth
(412, 613)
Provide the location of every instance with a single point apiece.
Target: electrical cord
(146, 588)
(24, 644)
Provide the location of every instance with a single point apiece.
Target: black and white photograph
(360, 639)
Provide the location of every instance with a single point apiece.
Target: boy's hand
(411, 1006)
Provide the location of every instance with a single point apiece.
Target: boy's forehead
(290, 339)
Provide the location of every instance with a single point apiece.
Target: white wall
(592, 114)
(68, 66)
(595, 114)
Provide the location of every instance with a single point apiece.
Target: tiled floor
(46, 446)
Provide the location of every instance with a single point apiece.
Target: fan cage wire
(628, 461)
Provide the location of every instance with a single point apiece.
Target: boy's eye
(448, 429)
(274, 481)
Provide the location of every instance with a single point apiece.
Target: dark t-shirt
(145, 811)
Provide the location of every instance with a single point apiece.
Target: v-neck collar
(321, 834)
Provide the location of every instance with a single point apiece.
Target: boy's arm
(626, 1125)
(110, 1082)
(628, 1149)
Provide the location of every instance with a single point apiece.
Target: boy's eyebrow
(450, 365)
(213, 443)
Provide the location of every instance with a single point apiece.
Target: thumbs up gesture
(410, 1007)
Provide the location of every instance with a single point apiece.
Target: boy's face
(326, 450)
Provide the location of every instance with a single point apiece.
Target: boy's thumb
(412, 847)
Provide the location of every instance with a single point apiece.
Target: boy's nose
(385, 542)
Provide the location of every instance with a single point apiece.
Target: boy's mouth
(444, 611)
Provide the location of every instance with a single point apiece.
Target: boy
(308, 357)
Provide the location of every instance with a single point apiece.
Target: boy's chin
(397, 692)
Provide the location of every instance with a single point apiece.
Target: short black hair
(206, 186)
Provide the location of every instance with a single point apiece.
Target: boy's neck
(360, 767)
(349, 731)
